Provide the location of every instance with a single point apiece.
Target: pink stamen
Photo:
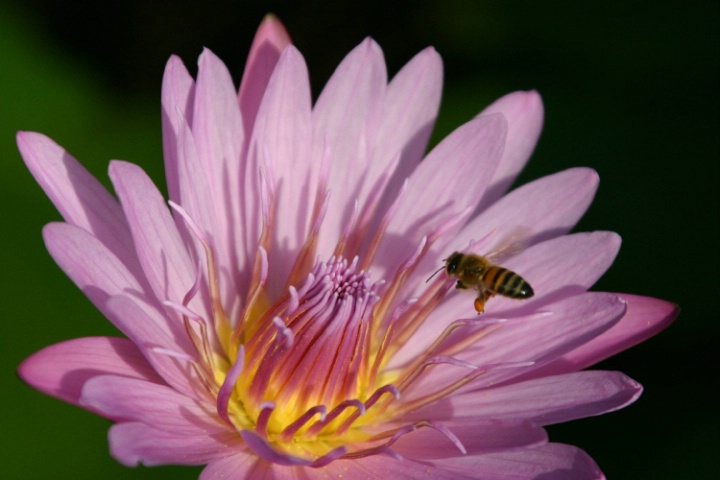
(401, 432)
(173, 353)
(347, 231)
(307, 251)
(260, 274)
(380, 232)
(290, 431)
(194, 228)
(438, 360)
(261, 448)
(285, 335)
(434, 396)
(266, 409)
(376, 192)
(294, 300)
(195, 288)
(397, 312)
(368, 404)
(184, 311)
(318, 426)
(223, 398)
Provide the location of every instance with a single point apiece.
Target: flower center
(309, 355)
(303, 378)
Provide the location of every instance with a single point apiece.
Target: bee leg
(460, 286)
(483, 296)
(480, 304)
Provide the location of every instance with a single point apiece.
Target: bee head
(452, 263)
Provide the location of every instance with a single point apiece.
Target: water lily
(278, 316)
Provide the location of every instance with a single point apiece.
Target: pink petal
(219, 137)
(524, 113)
(478, 436)
(409, 111)
(196, 198)
(466, 157)
(555, 268)
(560, 267)
(537, 211)
(107, 283)
(345, 122)
(194, 192)
(380, 467)
(178, 95)
(100, 275)
(217, 124)
(239, 465)
(544, 401)
(157, 406)
(77, 195)
(62, 369)
(553, 461)
(564, 326)
(270, 40)
(281, 145)
(158, 244)
(644, 318)
(540, 210)
(568, 323)
(147, 333)
(133, 443)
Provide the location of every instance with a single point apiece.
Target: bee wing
(508, 246)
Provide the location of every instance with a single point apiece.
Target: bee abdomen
(508, 283)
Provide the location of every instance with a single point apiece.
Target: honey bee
(479, 273)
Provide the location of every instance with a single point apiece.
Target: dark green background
(630, 89)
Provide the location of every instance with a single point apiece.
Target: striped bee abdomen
(507, 283)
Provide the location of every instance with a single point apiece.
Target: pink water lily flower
(278, 319)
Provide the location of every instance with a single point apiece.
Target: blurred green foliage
(630, 89)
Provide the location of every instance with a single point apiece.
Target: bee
(479, 273)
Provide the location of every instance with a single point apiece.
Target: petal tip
(26, 370)
(272, 27)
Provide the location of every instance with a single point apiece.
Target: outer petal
(162, 254)
(238, 465)
(556, 269)
(562, 327)
(281, 145)
(178, 95)
(644, 318)
(77, 195)
(524, 113)
(133, 443)
(544, 401)
(196, 198)
(62, 369)
(270, 40)
(467, 157)
(537, 211)
(157, 406)
(559, 267)
(559, 328)
(122, 310)
(194, 191)
(101, 275)
(381, 467)
(345, 124)
(411, 105)
(553, 461)
(219, 137)
(477, 435)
